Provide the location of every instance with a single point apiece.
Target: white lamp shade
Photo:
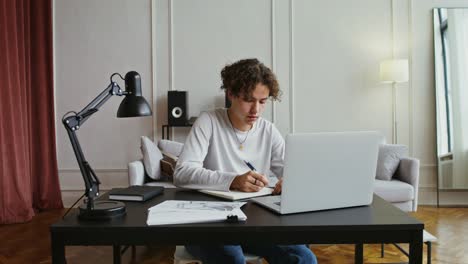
(394, 71)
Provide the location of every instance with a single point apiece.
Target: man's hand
(278, 187)
(249, 182)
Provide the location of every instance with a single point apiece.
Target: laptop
(326, 171)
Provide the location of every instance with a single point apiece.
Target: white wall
(337, 49)
(92, 40)
(195, 40)
(326, 55)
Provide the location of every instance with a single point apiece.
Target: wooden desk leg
(58, 250)
(359, 253)
(134, 252)
(117, 255)
(416, 248)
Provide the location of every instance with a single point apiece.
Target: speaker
(177, 108)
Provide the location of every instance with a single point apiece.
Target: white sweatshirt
(212, 158)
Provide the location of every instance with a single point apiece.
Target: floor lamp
(394, 71)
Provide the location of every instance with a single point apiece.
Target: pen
(250, 165)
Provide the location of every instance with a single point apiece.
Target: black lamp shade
(134, 104)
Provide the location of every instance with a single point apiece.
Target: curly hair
(241, 78)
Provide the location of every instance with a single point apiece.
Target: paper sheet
(183, 212)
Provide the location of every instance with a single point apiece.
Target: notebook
(135, 193)
(235, 195)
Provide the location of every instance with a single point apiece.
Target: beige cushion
(389, 159)
(151, 157)
(171, 147)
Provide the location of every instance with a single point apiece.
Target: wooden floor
(30, 243)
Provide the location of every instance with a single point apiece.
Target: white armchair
(402, 189)
(136, 169)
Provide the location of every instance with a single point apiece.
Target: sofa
(400, 188)
(139, 175)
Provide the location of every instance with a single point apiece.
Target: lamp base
(103, 210)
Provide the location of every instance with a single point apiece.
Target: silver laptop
(326, 171)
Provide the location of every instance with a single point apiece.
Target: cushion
(151, 158)
(394, 191)
(389, 159)
(172, 147)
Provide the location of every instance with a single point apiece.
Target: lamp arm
(73, 123)
(89, 177)
(96, 103)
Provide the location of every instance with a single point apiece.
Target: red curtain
(28, 164)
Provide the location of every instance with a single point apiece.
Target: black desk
(377, 223)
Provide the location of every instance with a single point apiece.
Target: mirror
(451, 85)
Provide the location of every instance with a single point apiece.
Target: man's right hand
(250, 181)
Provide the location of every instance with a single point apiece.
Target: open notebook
(234, 195)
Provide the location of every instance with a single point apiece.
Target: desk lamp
(133, 105)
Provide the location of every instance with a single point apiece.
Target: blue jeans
(234, 254)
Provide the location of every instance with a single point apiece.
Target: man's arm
(189, 171)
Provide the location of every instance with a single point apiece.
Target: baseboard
(428, 196)
(428, 192)
(72, 183)
(70, 197)
(72, 180)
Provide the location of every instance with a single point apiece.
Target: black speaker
(177, 108)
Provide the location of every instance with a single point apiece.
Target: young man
(221, 141)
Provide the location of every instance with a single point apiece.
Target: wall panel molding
(154, 94)
(273, 52)
(171, 51)
(171, 63)
(410, 74)
(292, 127)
